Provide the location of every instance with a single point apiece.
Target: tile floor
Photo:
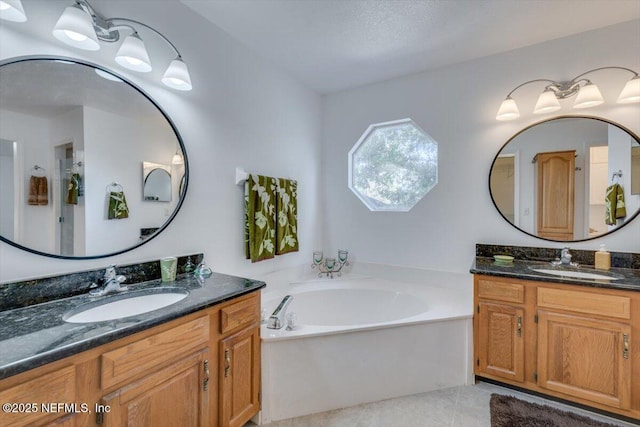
(457, 406)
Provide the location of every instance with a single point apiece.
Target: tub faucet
(111, 283)
(276, 321)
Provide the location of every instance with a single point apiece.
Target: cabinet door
(173, 396)
(556, 193)
(239, 377)
(500, 341)
(585, 358)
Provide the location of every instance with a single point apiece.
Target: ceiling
(333, 45)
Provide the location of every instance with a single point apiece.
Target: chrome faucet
(276, 321)
(111, 283)
(565, 258)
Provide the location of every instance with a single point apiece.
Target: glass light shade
(508, 110)
(547, 103)
(108, 76)
(75, 28)
(177, 159)
(133, 54)
(588, 96)
(177, 75)
(631, 91)
(12, 10)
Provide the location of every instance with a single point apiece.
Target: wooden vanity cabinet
(239, 368)
(172, 374)
(499, 325)
(571, 342)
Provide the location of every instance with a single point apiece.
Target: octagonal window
(393, 165)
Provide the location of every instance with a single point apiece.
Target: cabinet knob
(625, 346)
(519, 326)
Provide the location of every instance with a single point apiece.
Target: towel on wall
(287, 216)
(260, 224)
(73, 189)
(38, 191)
(614, 204)
(118, 208)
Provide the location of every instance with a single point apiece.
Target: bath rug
(507, 411)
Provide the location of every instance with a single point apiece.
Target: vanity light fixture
(12, 10)
(177, 158)
(588, 94)
(81, 26)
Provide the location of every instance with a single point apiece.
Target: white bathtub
(364, 340)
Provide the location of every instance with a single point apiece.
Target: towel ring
(35, 170)
(116, 185)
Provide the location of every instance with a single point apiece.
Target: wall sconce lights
(80, 26)
(588, 94)
(12, 10)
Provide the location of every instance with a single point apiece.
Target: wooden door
(239, 377)
(500, 341)
(585, 358)
(173, 396)
(556, 194)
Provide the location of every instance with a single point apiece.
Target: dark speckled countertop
(36, 335)
(627, 278)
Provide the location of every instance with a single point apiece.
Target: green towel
(260, 223)
(118, 208)
(287, 215)
(614, 204)
(73, 189)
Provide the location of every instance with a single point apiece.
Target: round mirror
(570, 178)
(73, 137)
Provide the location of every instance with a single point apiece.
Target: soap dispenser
(603, 259)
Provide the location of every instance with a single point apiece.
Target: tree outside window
(393, 166)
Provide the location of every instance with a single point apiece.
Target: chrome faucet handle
(110, 272)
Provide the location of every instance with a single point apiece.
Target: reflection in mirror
(156, 180)
(84, 131)
(635, 168)
(551, 179)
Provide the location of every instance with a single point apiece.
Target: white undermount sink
(125, 305)
(576, 274)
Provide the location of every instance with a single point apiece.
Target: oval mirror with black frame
(71, 132)
(567, 179)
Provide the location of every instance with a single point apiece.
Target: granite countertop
(36, 335)
(626, 278)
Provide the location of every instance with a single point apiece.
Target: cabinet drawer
(501, 291)
(240, 313)
(56, 387)
(585, 302)
(148, 353)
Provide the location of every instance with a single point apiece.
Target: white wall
(456, 105)
(7, 192)
(242, 112)
(114, 151)
(29, 132)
